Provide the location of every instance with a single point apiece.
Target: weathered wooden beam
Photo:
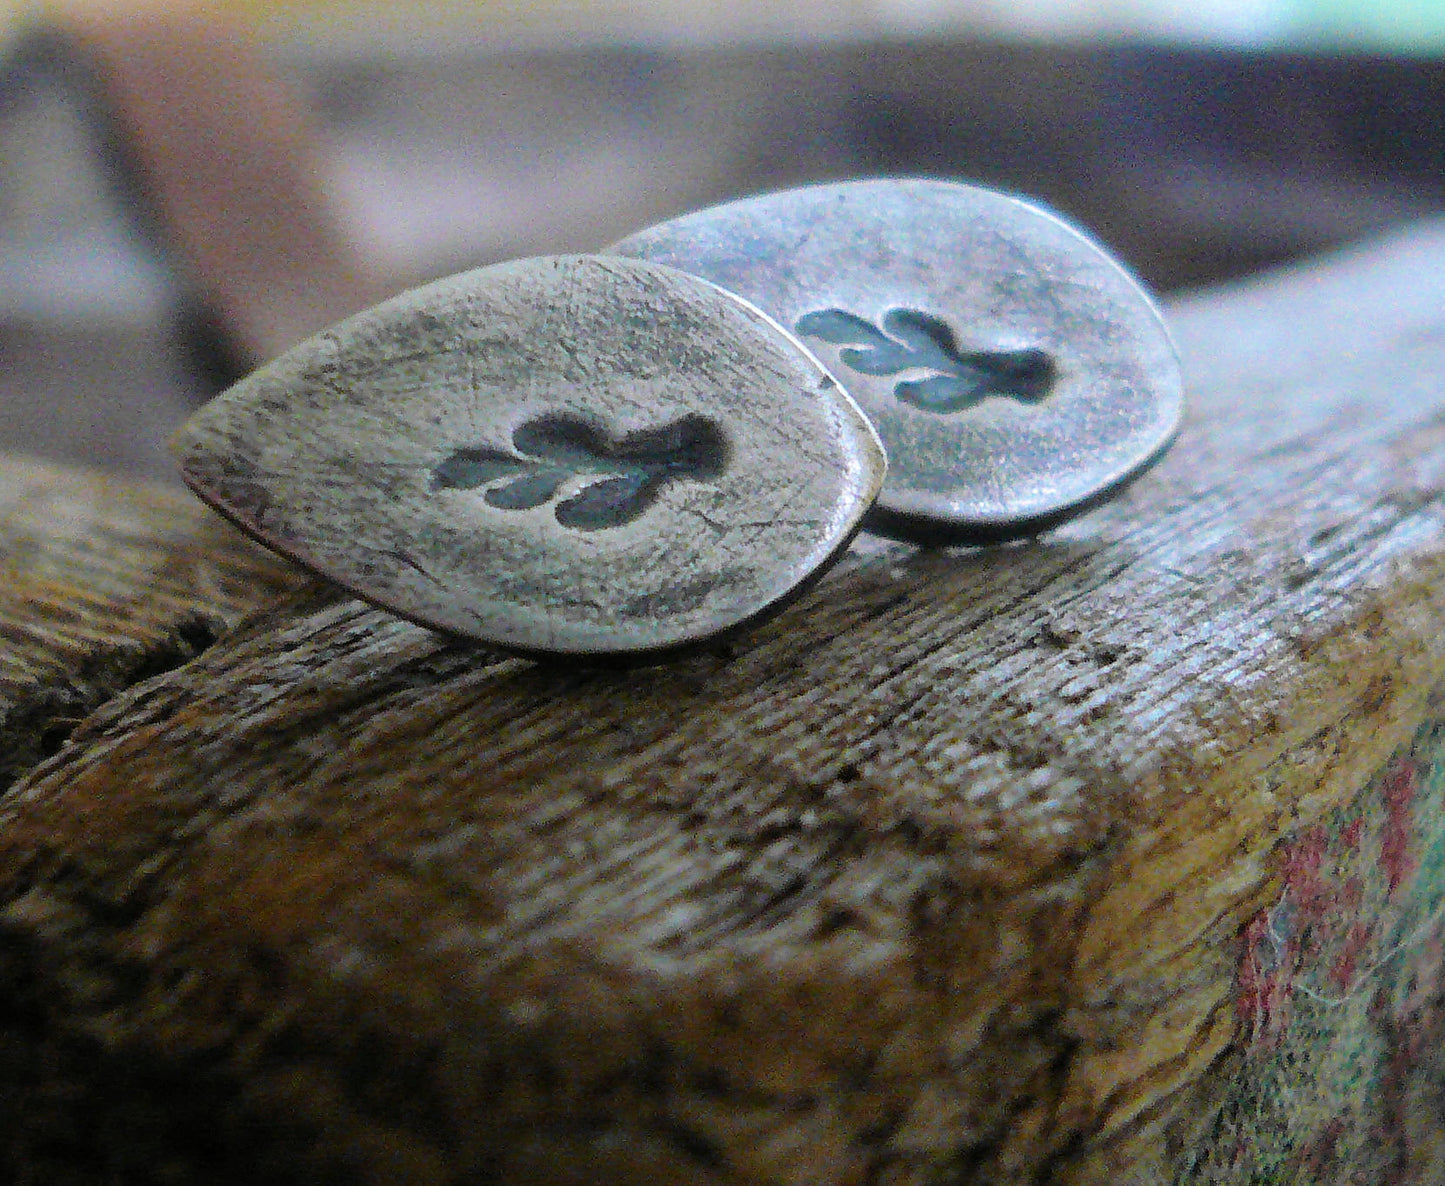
(1115, 856)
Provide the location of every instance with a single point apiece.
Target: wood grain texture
(951, 873)
(104, 583)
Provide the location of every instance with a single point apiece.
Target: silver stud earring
(1015, 372)
(571, 455)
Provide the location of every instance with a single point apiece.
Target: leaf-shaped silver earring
(1014, 371)
(576, 455)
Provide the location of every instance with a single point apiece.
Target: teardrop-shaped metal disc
(1016, 373)
(576, 454)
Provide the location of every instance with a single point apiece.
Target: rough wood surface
(104, 583)
(1025, 865)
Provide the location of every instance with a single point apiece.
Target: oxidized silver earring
(572, 455)
(614, 456)
(1016, 373)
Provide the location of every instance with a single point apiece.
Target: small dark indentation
(53, 737)
(196, 633)
(190, 637)
(622, 477)
(1059, 637)
(909, 829)
(911, 340)
(838, 918)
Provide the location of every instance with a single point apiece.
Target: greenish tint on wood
(1340, 996)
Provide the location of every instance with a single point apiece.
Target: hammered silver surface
(575, 454)
(1015, 372)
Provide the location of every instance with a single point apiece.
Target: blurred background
(186, 189)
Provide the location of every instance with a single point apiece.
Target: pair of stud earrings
(627, 453)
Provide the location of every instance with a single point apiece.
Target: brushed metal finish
(567, 455)
(1015, 372)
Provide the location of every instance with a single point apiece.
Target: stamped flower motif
(620, 477)
(911, 340)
